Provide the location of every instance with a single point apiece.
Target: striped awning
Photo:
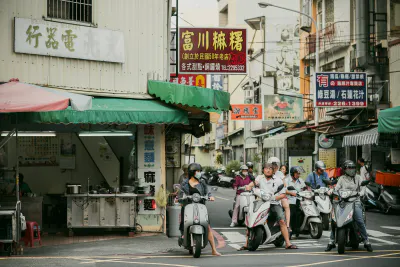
(279, 139)
(368, 137)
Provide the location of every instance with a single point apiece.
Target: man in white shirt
(269, 183)
(363, 173)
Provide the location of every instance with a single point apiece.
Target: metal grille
(74, 10)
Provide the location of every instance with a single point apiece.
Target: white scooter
(324, 205)
(245, 199)
(262, 229)
(310, 220)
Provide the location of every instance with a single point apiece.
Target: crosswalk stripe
(234, 237)
(235, 246)
(383, 241)
(391, 227)
(377, 233)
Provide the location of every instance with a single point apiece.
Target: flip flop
(292, 247)
(243, 248)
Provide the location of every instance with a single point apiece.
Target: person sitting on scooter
(250, 166)
(280, 175)
(196, 185)
(294, 201)
(351, 181)
(318, 175)
(269, 183)
(242, 179)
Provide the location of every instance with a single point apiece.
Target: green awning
(113, 111)
(179, 94)
(389, 120)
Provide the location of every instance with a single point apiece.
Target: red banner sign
(246, 112)
(190, 79)
(212, 50)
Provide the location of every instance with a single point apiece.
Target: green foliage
(232, 165)
(209, 169)
(218, 159)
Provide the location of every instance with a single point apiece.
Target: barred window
(74, 10)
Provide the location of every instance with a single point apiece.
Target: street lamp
(316, 114)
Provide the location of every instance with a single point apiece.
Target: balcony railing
(334, 36)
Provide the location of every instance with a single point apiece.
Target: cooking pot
(73, 189)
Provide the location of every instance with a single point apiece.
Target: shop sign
(328, 156)
(38, 151)
(305, 163)
(39, 37)
(325, 142)
(246, 112)
(217, 82)
(212, 50)
(341, 89)
(149, 146)
(190, 79)
(282, 108)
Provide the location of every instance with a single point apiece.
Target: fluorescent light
(31, 134)
(263, 5)
(120, 133)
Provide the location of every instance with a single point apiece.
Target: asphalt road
(384, 232)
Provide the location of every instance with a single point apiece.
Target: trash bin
(174, 212)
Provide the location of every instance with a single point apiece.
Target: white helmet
(275, 160)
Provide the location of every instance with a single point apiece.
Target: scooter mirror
(318, 186)
(334, 182)
(327, 182)
(307, 183)
(291, 188)
(279, 188)
(364, 183)
(177, 186)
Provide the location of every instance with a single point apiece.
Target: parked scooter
(324, 205)
(262, 228)
(309, 217)
(195, 233)
(226, 181)
(342, 218)
(245, 198)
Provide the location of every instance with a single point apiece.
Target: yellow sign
(328, 156)
(303, 162)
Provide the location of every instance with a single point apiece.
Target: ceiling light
(263, 5)
(100, 133)
(31, 134)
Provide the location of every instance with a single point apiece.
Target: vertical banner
(217, 82)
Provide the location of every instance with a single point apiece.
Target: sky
(199, 13)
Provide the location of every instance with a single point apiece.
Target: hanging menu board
(328, 156)
(38, 151)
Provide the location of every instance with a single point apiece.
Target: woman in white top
(285, 201)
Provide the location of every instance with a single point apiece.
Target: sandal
(292, 247)
(243, 248)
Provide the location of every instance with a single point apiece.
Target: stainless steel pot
(73, 189)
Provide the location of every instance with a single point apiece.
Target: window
(74, 10)
(223, 17)
(305, 21)
(319, 14)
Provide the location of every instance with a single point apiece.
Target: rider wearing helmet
(250, 166)
(242, 179)
(269, 183)
(351, 181)
(318, 175)
(196, 185)
(294, 201)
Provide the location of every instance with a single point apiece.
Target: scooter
(346, 229)
(390, 196)
(245, 199)
(225, 181)
(311, 221)
(371, 198)
(195, 233)
(324, 204)
(262, 228)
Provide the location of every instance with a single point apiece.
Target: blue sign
(217, 82)
(341, 89)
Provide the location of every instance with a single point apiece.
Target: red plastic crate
(388, 179)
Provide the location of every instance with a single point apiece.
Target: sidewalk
(141, 244)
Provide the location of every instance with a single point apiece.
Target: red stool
(29, 237)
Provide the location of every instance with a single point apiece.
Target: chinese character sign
(217, 82)
(246, 112)
(212, 50)
(305, 164)
(190, 79)
(149, 146)
(47, 38)
(283, 108)
(339, 89)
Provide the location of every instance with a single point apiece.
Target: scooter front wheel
(197, 246)
(255, 238)
(341, 238)
(315, 230)
(325, 221)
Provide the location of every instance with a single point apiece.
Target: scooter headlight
(196, 198)
(344, 194)
(265, 196)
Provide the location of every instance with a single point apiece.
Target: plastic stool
(29, 237)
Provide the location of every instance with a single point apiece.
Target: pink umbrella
(22, 97)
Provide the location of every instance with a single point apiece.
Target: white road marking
(223, 198)
(377, 233)
(391, 227)
(383, 241)
(234, 237)
(326, 233)
(235, 246)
